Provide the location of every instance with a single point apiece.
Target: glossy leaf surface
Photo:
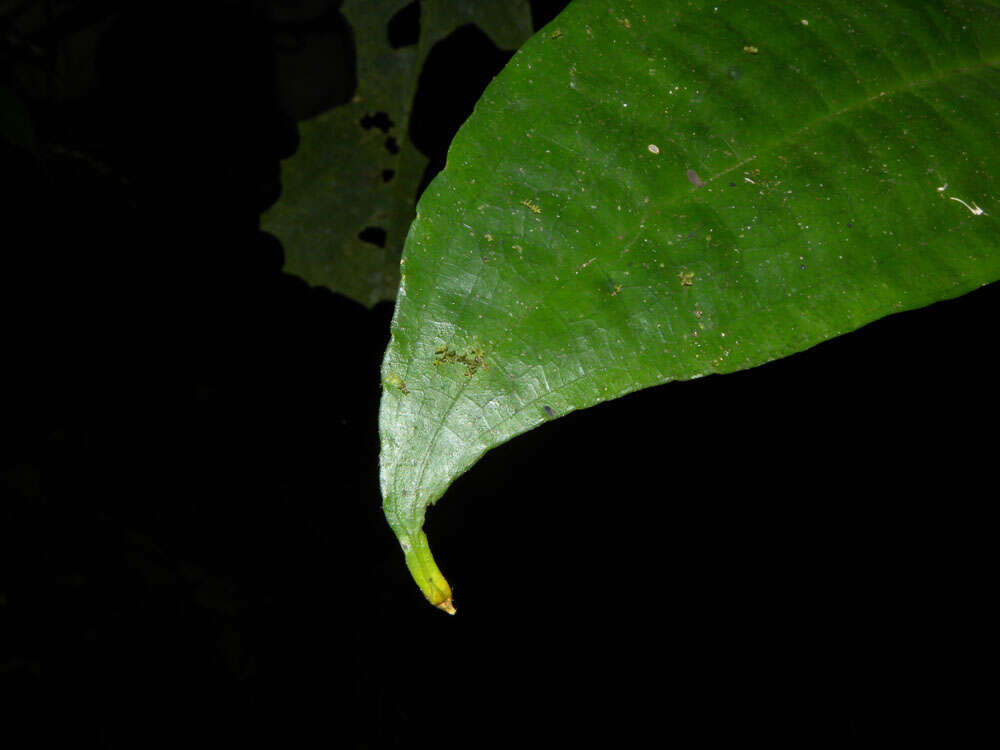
(348, 193)
(654, 191)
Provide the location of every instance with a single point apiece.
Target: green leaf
(653, 191)
(333, 188)
(15, 122)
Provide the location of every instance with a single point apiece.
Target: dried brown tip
(447, 606)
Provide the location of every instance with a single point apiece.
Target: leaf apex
(426, 573)
(447, 606)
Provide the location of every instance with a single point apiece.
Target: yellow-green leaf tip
(447, 606)
(426, 573)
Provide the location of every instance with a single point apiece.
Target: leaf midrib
(789, 138)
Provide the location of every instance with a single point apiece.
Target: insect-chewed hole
(388, 174)
(404, 27)
(378, 120)
(543, 11)
(373, 235)
(392, 145)
(453, 77)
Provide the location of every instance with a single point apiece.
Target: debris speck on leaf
(472, 358)
(694, 179)
(395, 381)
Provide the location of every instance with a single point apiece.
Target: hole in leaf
(543, 11)
(453, 77)
(404, 27)
(378, 120)
(373, 235)
(392, 145)
(315, 62)
(388, 174)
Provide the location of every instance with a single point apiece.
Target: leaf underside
(356, 168)
(654, 191)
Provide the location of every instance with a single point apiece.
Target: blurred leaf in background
(349, 192)
(15, 123)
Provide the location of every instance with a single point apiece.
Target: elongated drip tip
(426, 573)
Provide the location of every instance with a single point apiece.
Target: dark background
(191, 543)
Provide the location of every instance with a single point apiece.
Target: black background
(192, 550)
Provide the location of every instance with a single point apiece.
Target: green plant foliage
(334, 187)
(653, 191)
(15, 123)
